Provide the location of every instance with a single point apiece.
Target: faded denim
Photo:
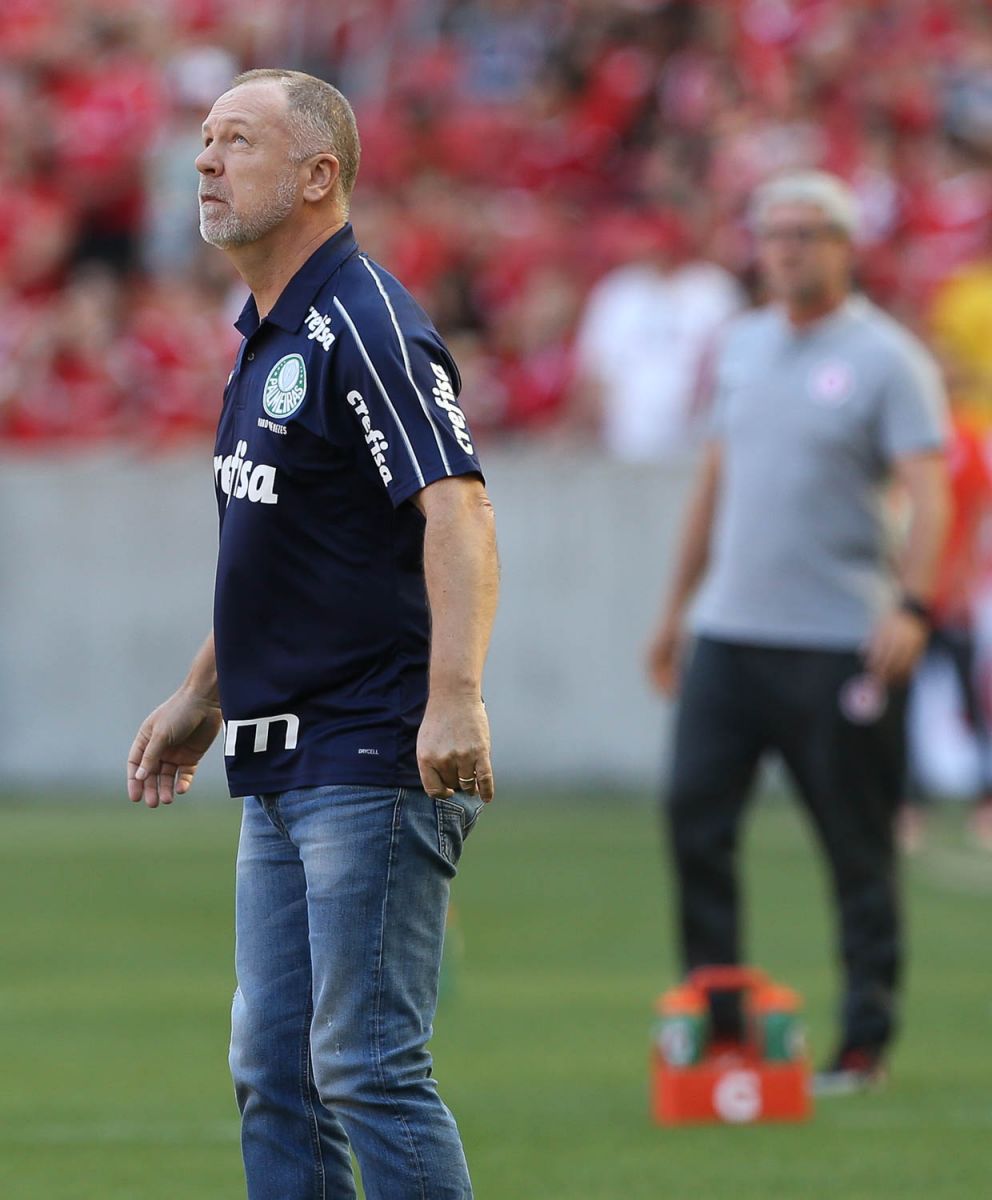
(342, 894)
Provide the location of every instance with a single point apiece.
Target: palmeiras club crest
(285, 387)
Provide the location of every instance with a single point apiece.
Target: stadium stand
(508, 144)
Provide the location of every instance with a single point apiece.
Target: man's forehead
(253, 103)
(794, 212)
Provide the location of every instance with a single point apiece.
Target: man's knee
(264, 1055)
(694, 833)
(354, 1076)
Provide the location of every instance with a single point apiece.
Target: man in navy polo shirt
(356, 588)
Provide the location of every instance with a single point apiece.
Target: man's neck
(803, 314)
(268, 265)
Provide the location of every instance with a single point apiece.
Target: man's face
(249, 182)
(803, 257)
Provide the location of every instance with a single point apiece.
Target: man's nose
(207, 162)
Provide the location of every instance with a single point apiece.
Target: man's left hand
(453, 748)
(895, 646)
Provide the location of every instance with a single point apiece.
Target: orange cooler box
(764, 1078)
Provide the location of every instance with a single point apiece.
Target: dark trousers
(842, 740)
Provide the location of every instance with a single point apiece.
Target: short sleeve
(394, 375)
(913, 417)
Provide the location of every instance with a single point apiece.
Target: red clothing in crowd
(961, 564)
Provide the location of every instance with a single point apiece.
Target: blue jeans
(342, 894)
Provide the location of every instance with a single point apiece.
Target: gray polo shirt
(809, 425)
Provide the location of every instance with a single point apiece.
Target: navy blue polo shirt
(341, 406)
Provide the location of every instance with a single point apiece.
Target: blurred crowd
(563, 184)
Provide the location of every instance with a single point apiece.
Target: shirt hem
(787, 639)
(333, 777)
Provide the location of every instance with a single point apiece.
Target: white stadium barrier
(106, 593)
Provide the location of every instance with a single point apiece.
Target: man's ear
(323, 172)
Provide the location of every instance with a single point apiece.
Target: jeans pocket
(456, 818)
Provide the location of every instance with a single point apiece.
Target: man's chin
(222, 239)
(803, 294)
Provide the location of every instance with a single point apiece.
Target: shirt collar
(852, 305)
(297, 296)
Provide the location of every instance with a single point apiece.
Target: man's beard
(804, 292)
(227, 229)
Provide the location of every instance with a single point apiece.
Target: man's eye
(240, 137)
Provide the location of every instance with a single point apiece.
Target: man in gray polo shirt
(805, 634)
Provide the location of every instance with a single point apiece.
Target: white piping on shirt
(382, 389)
(406, 363)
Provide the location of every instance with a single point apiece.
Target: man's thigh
(271, 1010)
(718, 733)
(843, 738)
(272, 951)
(378, 864)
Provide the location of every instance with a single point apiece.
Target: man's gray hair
(320, 117)
(831, 195)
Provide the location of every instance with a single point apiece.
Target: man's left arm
(462, 572)
(901, 635)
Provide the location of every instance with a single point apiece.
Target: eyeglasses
(805, 235)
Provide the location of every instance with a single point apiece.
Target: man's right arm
(171, 741)
(666, 645)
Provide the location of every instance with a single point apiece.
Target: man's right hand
(168, 747)
(664, 655)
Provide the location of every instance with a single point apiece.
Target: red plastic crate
(732, 1084)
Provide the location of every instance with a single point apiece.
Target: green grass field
(116, 981)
